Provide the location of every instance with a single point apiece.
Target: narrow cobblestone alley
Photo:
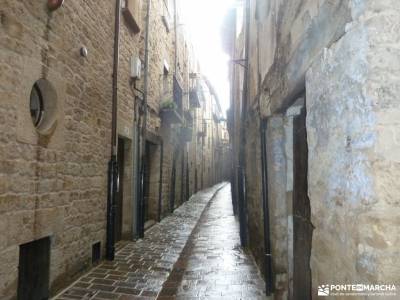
(192, 254)
(212, 264)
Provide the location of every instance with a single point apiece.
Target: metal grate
(96, 252)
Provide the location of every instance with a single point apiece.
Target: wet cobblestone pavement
(212, 264)
(178, 259)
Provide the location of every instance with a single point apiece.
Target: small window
(43, 106)
(36, 105)
(166, 88)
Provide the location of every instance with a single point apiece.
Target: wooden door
(34, 270)
(302, 227)
(120, 193)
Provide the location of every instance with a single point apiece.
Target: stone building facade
(55, 131)
(317, 111)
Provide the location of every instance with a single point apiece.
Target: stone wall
(353, 124)
(161, 55)
(343, 55)
(54, 185)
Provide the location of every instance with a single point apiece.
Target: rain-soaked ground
(193, 254)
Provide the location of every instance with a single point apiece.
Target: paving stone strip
(213, 265)
(141, 268)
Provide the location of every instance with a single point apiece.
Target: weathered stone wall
(286, 38)
(349, 49)
(353, 126)
(131, 47)
(253, 190)
(54, 186)
(161, 54)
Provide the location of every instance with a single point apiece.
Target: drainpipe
(242, 147)
(139, 226)
(176, 37)
(269, 286)
(112, 187)
(182, 173)
(187, 178)
(136, 159)
(232, 138)
(161, 181)
(142, 143)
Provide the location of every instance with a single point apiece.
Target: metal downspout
(269, 287)
(142, 143)
(242, 148)
(112, 187)
(176, 38)
(161, 182)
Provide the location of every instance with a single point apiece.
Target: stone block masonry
(53, 182)
(55, 185)
(353, 124)
(323, 78)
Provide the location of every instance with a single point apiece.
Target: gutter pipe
(142, 141)
(113, 180)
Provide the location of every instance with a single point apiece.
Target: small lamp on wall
(54, 4)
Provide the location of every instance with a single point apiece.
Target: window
(36, 105)
(43, 106)
(165, 84)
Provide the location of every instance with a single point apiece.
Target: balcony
(194, 98)
(189, 117)
(203, 131)
(169, 113)
(178, 96)
(186, 133)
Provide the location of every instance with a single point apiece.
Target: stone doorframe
(279, 148)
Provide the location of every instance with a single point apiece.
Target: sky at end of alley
(202, 20)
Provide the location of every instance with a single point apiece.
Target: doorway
(150, 185)
(302, 227)
(120, 193)
(195, 180)
(173, 185)
(34, 270)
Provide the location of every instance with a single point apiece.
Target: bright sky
(203, 21)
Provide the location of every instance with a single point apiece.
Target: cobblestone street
(212, 264)
(192, 254)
